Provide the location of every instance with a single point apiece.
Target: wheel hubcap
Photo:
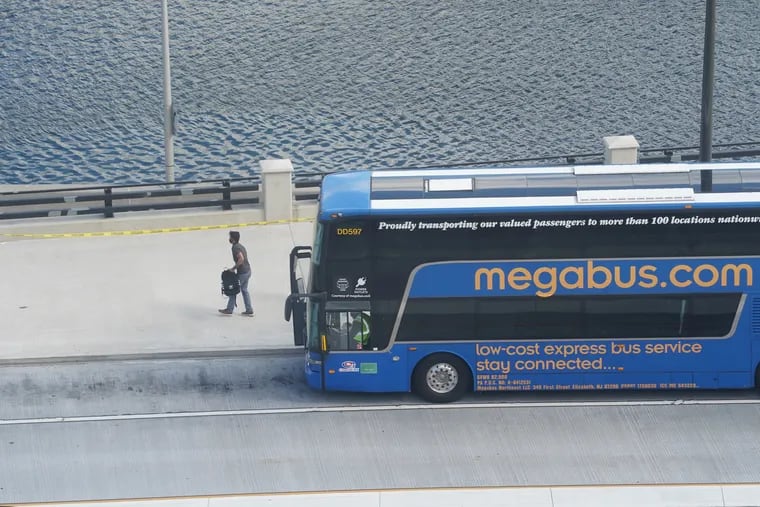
(442, 378)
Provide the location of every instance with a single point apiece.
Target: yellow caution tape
(150, 231)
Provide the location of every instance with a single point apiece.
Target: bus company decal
(348, 367)
(360, 287)
(544, 221)
(368, 368)
(524, 366)
(545, 278)
(351, 287)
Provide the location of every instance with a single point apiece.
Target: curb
(156, 356)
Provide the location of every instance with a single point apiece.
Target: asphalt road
(201, 426)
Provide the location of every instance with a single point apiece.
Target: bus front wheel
(441, 378)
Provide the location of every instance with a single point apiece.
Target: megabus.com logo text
(544, 281)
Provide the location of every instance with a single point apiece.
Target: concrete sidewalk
(140, 294)
(730, 495)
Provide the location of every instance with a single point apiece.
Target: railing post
(621, 150)
(277, 189)
(226, 195)
(708, 76)
(108, 202)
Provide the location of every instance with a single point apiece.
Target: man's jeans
(243, 277)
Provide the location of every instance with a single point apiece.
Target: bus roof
(485, 190)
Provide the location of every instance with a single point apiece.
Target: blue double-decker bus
(532, 279)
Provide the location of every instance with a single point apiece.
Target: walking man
(243, 269)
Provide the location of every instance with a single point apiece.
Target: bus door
(297, 286)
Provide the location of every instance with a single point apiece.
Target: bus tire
(441, 378)
(757, 377)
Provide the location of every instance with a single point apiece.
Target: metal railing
(108, 200)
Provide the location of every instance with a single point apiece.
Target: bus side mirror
(293, 298)
(288, 308)
(289, 305)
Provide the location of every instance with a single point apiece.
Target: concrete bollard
(277, 188)
(621, 150)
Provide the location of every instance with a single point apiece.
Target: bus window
(568, 317)
(711, 314)
(316, 253)
(348, 330)
(384, 314)
(312, 336)
(438, 319)
(337, 330)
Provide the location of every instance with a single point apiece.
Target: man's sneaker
(247, 314)
(225, 311)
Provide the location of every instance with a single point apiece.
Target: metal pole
(168, 104)
(708, 76)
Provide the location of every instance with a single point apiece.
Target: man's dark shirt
(245, 267)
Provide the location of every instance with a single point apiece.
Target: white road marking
(372, 408)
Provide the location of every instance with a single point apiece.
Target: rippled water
(344, 84)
